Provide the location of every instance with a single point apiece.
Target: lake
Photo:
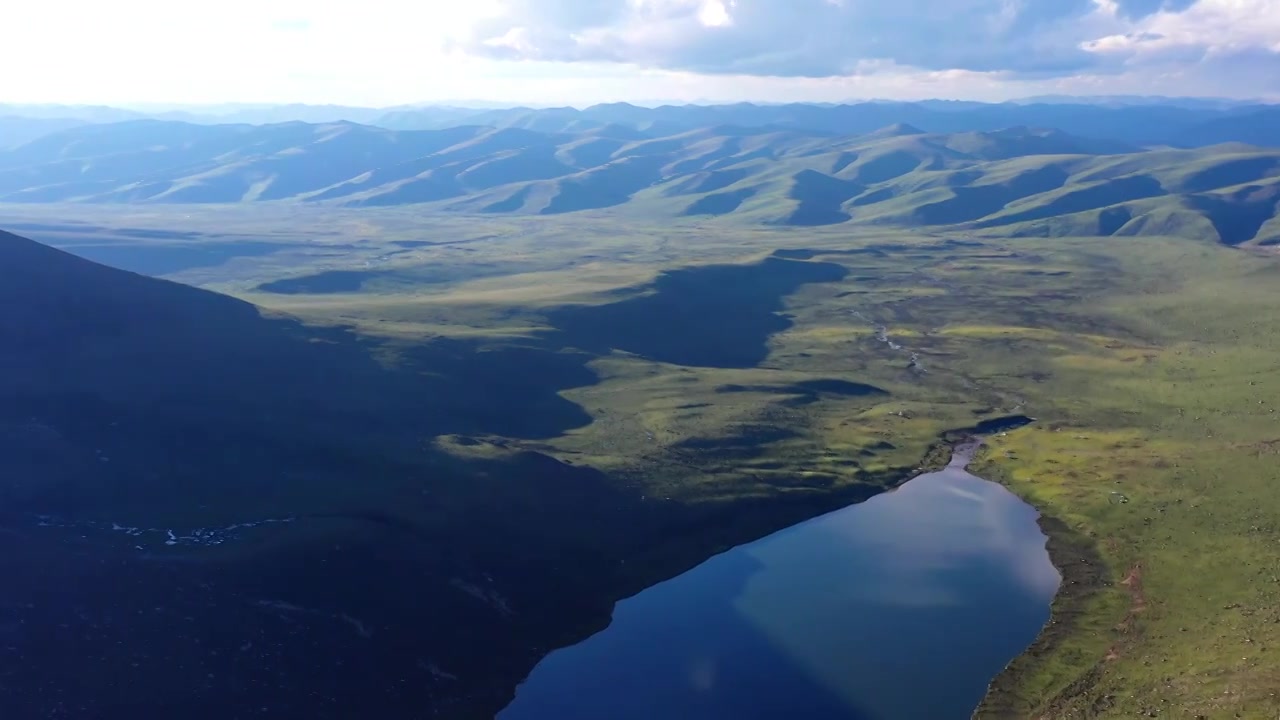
(904, 606)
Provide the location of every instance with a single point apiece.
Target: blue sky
(389, 52)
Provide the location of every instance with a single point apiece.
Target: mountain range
(1019, 180)
(1179, 125)
(1143, 120)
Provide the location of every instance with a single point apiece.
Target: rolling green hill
(1020, 181)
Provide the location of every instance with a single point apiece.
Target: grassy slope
(1184, 424)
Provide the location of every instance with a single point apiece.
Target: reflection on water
(905, 606)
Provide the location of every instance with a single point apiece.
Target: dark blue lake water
(904, 606)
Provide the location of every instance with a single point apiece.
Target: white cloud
(832, 37)
(1227, 47)
(801, 37)
(715, 13)
(1213, 27)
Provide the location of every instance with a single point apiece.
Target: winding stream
(904, 606)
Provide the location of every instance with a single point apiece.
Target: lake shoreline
(952, 452)
(1084, 573)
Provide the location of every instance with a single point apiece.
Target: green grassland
(752, 376)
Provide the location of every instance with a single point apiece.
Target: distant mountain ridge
(1181, 125)
(16, 130)
(1136, 119)
(1019, 179)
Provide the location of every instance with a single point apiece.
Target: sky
(578, 52)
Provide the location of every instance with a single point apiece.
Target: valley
(550, 413)
(430, 396)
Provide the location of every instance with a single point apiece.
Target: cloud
(830, 38)
(782, 37)
(1233, 44)
(294, 24)
(1208, 27)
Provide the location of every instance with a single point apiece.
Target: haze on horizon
(548, 52)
